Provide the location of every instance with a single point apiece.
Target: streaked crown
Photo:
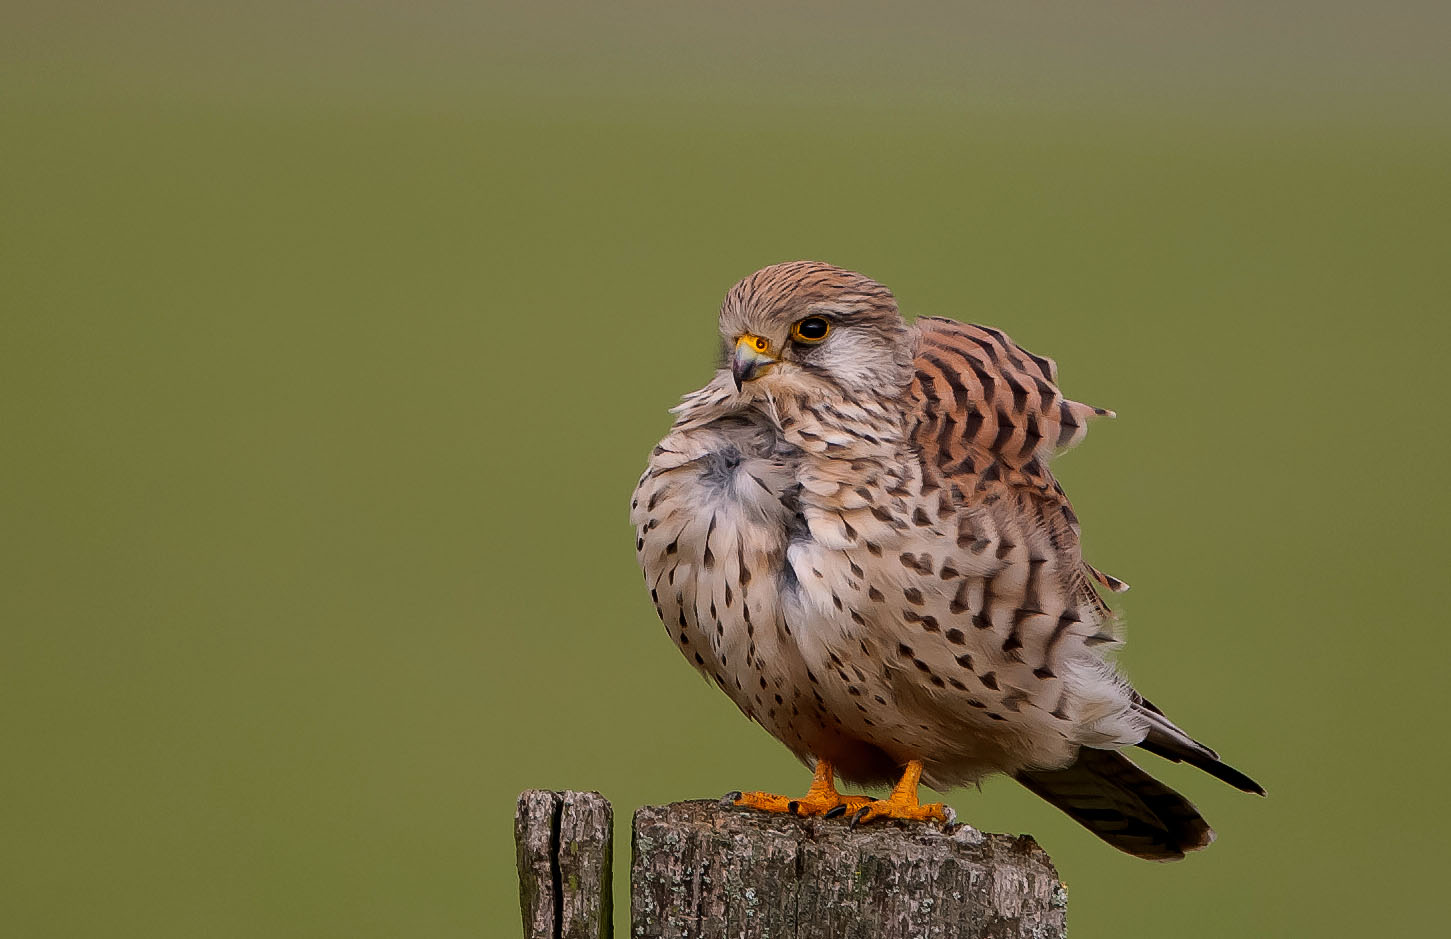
(867, 346)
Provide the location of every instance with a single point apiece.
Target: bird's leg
(821, 799)
(902, 803)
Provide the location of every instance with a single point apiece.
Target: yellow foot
(827, 804)
(903, 804)
(821, 799)
(909, 810)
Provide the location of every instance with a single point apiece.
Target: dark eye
(811, 329)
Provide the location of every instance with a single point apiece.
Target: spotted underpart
(866, 550)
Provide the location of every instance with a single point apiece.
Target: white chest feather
(713, 517)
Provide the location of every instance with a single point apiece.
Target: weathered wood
(708, 872)
(703, 871)
(564, 842)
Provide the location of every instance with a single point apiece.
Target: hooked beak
(751, 358)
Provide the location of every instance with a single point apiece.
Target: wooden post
(703, 871)
(564, 842)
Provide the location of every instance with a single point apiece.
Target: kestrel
(853, 531)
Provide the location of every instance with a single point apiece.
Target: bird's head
(809, 329)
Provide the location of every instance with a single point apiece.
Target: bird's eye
(810, 330)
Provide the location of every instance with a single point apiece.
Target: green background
(335, 336)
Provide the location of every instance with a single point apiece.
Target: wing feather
(1005, 400)
(990, 413)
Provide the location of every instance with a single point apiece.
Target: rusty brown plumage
(854, 532)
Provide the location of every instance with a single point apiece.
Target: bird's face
(809, 328)
(771, 342)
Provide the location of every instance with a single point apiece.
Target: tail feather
(1105, 792)
(1202, 758)
(1165, 739)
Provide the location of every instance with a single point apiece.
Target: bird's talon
(859, 815)
(837, 812)
(730, 799)
(793, 807)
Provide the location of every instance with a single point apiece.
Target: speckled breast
(714, 516)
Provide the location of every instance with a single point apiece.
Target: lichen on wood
(706, 871)
(564, 842)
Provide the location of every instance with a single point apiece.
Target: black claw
(730, 799)
(792, 806)
(858, 816)
(837, 812)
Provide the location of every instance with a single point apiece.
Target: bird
(853, 531)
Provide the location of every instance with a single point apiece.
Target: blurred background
(335, 336)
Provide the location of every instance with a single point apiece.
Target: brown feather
(1112, 797)
(864, 548)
